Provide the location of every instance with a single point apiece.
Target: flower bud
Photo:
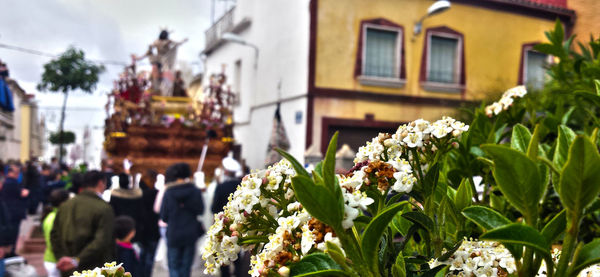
(284, 271)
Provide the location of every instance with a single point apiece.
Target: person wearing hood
(181, 205)
(128, 201)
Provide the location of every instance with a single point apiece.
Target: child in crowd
(126, 254)
(57, 197)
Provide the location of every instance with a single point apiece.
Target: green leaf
(420, 219)
(489, 219)
(401, 224)
(329, 164)
(588, 255)
(316, 264)
(580, 178)
(597, 84)
(297, 166)
(431, 179)
(439, 270)
(370, 238)
(533, 147)
(519, 234)
(566, 136)
(485, 217)
(450, 252)
(318, 200)
(399, 267)
(520, 138)
(464, 195)
(518, 178)
(328, 272)
(555, 227)
(337, 254)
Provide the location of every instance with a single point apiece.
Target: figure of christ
(162, 54)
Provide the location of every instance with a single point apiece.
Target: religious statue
(162, 54)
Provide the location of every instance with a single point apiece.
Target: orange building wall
(493, 43)
(588, 18)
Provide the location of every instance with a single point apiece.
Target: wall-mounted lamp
(231, 37)
(437, 7)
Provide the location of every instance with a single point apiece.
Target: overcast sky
(105, 30)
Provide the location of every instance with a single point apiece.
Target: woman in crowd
(149, 240)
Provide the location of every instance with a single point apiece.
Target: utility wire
(44, 54)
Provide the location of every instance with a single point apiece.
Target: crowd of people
(89, 217)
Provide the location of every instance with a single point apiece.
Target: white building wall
(280, 30)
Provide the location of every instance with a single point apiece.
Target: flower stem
(569, 244)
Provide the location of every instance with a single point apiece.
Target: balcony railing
(223, 25)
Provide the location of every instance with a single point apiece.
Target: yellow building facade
(489, 42)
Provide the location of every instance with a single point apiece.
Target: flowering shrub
(490, 258)
(108, 270)
(289, 218)
(263, 215)
(506, 101)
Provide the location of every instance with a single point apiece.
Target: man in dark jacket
(82, 236)
(181, 206)
(32, 182)
(14, 197)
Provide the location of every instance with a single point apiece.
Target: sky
(105, 30)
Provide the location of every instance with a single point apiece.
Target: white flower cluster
(247, 207)
(416, 134)
(479, 258)
(354, 199)
(506, 101)
(264, 205)
(294, 238)
(110, 269)
(591, 271)
(489, 259)
(88, 273)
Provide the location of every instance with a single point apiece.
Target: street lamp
(437, 7)
(231, 37)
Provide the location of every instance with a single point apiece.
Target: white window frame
(395, 81)
(438, 86)
(526, 49)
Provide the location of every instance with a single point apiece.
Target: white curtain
(442, 60)
(380, 53)
(535, 69)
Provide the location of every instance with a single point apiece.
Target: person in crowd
(76, 182)
(54, 165)
(14, 196)
(126, 200)
(181, 206)
(56, 182)
(6, 231)
(231, 178)
(57, 197)
(162, 226)
(82, 235)
(45, 178)
(151, 235)
(31, 181)
(126, 254)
